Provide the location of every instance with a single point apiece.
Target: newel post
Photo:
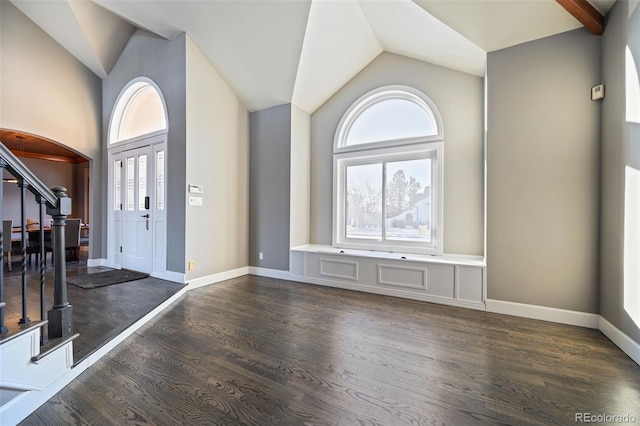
(60, 316)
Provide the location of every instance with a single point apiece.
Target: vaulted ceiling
(302, 51)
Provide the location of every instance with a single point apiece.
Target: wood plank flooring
(260, 351)
(99, 314)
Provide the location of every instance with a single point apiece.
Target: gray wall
(543, 172)
(45, 91)
(164, 62)
(460, 99)
(269, 183)
(619, 150)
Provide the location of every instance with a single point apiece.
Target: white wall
(620, 157)
(217, 158)
(45, 91)
(300, 196)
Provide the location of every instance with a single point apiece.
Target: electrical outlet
(192, 265)
(261, 256)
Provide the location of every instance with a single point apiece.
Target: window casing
(388, 156)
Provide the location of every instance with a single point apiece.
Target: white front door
(137, 201)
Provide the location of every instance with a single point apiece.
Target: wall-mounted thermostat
(597, 92)
(196, 189)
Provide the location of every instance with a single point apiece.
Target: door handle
(145, 215)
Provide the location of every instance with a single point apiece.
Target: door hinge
(120, 249)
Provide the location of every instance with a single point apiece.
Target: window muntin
(388, 174)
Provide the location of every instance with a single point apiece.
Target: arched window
(388, 173)
(139, 111)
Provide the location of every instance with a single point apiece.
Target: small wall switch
(261, 256)
(192, 265)
(195, 201)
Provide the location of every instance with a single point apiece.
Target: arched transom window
(139, 111)
(388, 173)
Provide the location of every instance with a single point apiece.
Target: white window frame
(122, 104)
(388, 151)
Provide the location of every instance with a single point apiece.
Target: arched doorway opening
(55, 165)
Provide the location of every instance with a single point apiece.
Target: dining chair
(33, 243)
(71, 239)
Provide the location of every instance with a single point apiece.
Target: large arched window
(139, 111)
(388, 173)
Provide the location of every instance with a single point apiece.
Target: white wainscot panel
(453, 280)
(296, 262)
(440, 280)
(342, 269)
(402, 276)
(470, 284)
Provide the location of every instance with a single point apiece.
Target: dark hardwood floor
(98, 314)
(261, 351)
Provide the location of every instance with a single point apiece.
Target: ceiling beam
(584, 12)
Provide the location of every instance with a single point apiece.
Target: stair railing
(58, 206)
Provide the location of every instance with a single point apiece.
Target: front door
(137, 235)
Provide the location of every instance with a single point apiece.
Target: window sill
(445, 259)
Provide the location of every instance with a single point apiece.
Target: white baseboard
(544, 313)
(216, 278)
(176, 277)
(22, 405)
(621, 340)
(93, 263)
(392, 292)
(271, 273)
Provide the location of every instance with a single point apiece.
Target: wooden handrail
(17, 168)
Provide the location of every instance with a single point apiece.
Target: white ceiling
(273, 52)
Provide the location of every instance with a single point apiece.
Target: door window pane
(364, 201)
(142, 181)
(408, 200)
(131, 182)
(160, 180)
(117, 185)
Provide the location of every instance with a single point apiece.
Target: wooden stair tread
(23, 329)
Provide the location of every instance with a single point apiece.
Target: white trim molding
(621, 340)
(26, 403)
(544, 313)
(93, 263)
(216, 278)
(271, 273)
(176, 277)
